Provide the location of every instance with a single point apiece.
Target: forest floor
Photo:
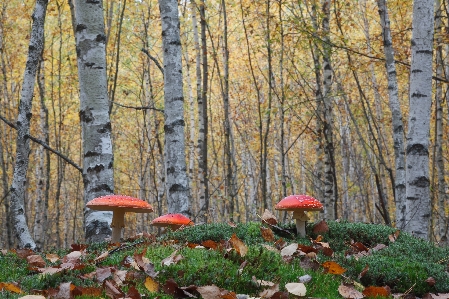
(227, 260)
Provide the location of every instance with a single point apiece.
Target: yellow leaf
(151, 285)
(334, 268)
(12, 287)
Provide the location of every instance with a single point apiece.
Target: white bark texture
(177, 185)
(417, 171)
(94, 114)
(328, 117)
(396, 114)
(17, 194)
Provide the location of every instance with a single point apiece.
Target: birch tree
(396, 115)
(418, 206)
(176, 184)
(17, 190)
(94, 114)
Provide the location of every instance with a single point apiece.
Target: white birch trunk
(396, 114)
(17, 194)
(177, 185)
(98, 176)
(417, 170)
(328, 117)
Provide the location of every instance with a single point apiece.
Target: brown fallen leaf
(103, 273)
(269, 217)
(363, 272)
(333, 268)
(209, 292)
(359, 246)
(144, 264)
(267, 234)
(393, 237)
(133, 293)
(280, 295)
(268, 293)
(430, 281)
(321, 227)
(209, 244)
(373, 291)
(112, 290)
(238, 245)
(87, 291)
(171, 288)
(119, 276)
(52, 257)
(35, 260)
(23, 253)
(349, 292)
(174, 258)
(101, 257)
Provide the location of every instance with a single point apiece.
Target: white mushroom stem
(301, 219)
(118, 222)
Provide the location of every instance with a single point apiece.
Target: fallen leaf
(308, 263)
(262, 283)
(144, 264)
(348, 291)
(35, 260)
(327, 251)
(103, 273)
(238, 245)
(270, 248)
(50, 270)
(321, 227)
(289, 250)
(296, 288)
(232, 224)
(393, 237)
(133, 293)
(267, 234)
(72, 258)
(268, 293)
(269, 217)
(151, 285)
(374, 291)
(119, 276)
(112, 290)
(363, 272)
(378, 247)
(52, 257)
(32, 297)
(101, 257)
(333, 268)
(79, 247)
(87, 291)
(10, 286)
(307, 249)
(174, 258)
(440, 296)
(430, 281)
(23, 253)
(209, 292)
(210, 244)
(171, 288)
(280, 295)
(279, 244)
(359, 246)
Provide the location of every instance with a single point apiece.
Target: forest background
(290, 97)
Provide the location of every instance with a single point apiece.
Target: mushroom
(299, 204)
(173, 221)
(119, 205)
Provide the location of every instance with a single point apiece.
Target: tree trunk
(395, 108)
(417, 170)
(176, 184)
(17, 190)
(98, 175)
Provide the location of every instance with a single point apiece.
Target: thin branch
(138, 107)
(35, 140)
(155, 61)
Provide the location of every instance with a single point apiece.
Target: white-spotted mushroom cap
(299, 203)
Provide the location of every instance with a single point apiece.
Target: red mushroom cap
(122, 202)
(174, 220)
(299, 203)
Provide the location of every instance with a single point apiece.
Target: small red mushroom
(119, 205)
(299, 204)
(173, 221)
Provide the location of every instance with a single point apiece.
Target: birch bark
(17, 190)
(177, 185)
(417, 170)
(396, 112)
(98, 175)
